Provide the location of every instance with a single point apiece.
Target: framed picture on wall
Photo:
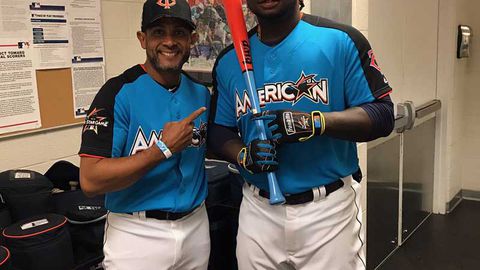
(213, 31)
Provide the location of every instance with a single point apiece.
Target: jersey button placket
(270, 65)
(175, 108)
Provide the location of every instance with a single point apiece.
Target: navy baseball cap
(154, 10)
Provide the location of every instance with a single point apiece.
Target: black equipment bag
(5, 259)
(5, 218)
(218, 183)
(26, 193)
(64, 175)
(92, 264)
(40, 242)
(221, 216)
(86, 218)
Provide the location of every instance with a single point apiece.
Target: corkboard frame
(55, 95)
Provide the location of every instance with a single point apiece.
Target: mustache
(263, 1)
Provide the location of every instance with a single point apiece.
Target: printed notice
(50, 34)
(88, 58)
(15, 20)
(86, 29)
(19, 108)
(87, 80)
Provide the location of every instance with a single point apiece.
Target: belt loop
(255, 191)
(316, 194)
(142, 215)
(323, 192)
(347, 181)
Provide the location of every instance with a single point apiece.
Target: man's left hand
(289, 126)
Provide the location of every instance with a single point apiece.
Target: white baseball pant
(324, 234)
(140, 243)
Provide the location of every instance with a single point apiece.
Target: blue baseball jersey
(320, 65)
(127, 116)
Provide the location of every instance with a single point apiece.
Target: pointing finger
(194, 115)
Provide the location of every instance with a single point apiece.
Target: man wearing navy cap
(143, 145)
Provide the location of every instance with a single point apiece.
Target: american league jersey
(127, 116)
(320, 65)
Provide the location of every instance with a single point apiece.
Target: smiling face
(269, 9)
(167, 44)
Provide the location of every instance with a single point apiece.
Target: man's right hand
(178, 135)
(258, 157)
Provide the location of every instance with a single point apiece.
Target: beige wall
(405, 42)
(40, 150)
(467, 78)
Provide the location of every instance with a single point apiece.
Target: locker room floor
(444, 242)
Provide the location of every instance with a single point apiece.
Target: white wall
(337, 10)
(360, 15)
(307, 7)
(448, 184)
(415, 42)
(404, 36)
(459, 142)
(121, 21)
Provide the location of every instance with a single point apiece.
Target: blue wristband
(163, 147)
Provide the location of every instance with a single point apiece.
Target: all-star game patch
(95, 120)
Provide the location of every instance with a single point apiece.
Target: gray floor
(444, 242)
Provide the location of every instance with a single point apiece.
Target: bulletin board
(55, 95)
(55, 39)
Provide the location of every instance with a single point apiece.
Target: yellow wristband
(240, 157)
(322, 119)
(241, 160)
(316, 117)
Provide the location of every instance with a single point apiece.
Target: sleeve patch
(95, 120)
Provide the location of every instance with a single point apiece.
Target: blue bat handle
(276, 196)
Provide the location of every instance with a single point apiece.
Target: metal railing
(407, 113)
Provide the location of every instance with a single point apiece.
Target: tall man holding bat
(321, 91)
(143, 144)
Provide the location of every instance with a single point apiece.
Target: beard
(152, 57)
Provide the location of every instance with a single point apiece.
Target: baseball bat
(238, 29)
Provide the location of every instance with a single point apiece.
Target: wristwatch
(163, 147)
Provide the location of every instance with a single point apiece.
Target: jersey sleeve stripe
(386, 93)
(91, 156)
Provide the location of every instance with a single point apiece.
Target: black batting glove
(289, 126)
(258, 157)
